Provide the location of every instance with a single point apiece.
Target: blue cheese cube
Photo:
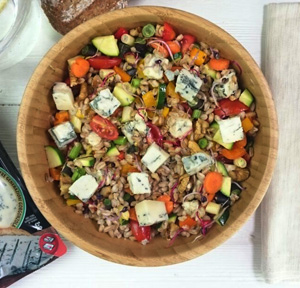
(153, 67)
(63, 134)
(188, 85)
(191, 207)
(149, 212)
(195, 163)
(63, 96)
(154, 157)
(170, 75)
(227, 85)
(180, 127)
(139, 183)
(105, 104)
(138, 125)
(93, 139)
(84, 187)
(231, 129)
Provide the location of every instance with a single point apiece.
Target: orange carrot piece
(212, 182)
(124, 76)
(169, 204)
(132, 214)
(174, 46)
(234, 153)
(80, 67)
(189, 221)
(161, 49)
(199, 56)
(210, 197)
(218, 64)
(55, 173)
(61, 117)
(241, 144)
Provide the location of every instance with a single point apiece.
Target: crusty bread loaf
(13, 231)
(64, 15)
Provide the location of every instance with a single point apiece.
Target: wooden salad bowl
(32, 136)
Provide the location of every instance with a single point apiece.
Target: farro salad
(152, 134)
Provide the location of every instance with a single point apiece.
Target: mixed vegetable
(152, 133)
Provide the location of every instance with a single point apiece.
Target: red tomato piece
(104, 62)
(186, 42)
(169, 33)
(230, 108)
(140, 233)
(104, 128)
(121, 31)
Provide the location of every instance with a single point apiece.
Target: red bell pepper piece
(169, 33)
(121, 31)
(230, 108)
(186, 42)
(141, 233)
(104, 62)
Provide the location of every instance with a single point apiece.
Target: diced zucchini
(66, 170)
(123, 96)
(107, 45)
(121, 140)
(214, 126)
(226, 186)
(235, 190)
(221, 168)
(246, 98)
(78, 173)
(218, 138)
(206, 70)
(223, 219)
(54, 156)
(75, 150)
(76, 123)
(213, 208)
(113, 151)
(87, 161)
(172, 218)
(126, 114)
(161, 96)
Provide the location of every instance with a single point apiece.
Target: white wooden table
(235, 263)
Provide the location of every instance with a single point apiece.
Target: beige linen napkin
(281, 206)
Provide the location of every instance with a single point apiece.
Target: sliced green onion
(140, 40)
(107, 202)
(78, 173)
(177, 56)
(240, 162)
(148, 30)
(121, 140)
(196, 114)
(203, 142)
(127, 39)
(135, 82)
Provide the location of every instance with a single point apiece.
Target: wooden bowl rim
(184, 255)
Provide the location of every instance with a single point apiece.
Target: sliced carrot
(174, 68)
(198, 55)
(161, 49)
(169, 204)
(247, 124)
(241, 144)
(189, 221)
(125, 77)
(210, 197)
(218, 64)
(127, 168)
(234, 153)
(212, 182)
(174, 46)
(61, 117)
(55, 173)
(132, 214)
(80, 67)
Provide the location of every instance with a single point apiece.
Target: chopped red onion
(175, 236)
(172, 192)
(233, 62)
(165, 44)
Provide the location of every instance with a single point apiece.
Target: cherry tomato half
(168, 34)
(121, 31)
(140, 232)
(186, 42)
(104, 62)
(230, 108)
(104, 128)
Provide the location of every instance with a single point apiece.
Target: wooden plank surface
(236, 263)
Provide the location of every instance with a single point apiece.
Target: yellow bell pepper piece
(140, 72)
(71, 202)
(125, 215)
(247, 125)
(170, 91)
(165, 112)
(200, 56)
(79, 114)
(149, 99)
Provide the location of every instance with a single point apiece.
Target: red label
(52, 244)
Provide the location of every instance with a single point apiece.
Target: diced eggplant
(220, 198)
(131, 72)
(123, 48)
(141, 49)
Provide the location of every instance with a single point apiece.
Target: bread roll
(64, 15)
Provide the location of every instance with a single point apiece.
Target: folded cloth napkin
(281, 206)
